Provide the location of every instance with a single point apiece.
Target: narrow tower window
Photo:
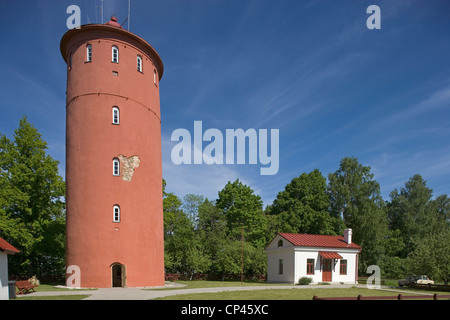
(115, 115)
(154, 76)
(116, 213)
(115, 54)
(139, 63)
(88, 53)
(116, 167)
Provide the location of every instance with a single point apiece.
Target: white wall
(304, 253)
(4, 290)
(301, 257)
(295, 261)
(274, 254)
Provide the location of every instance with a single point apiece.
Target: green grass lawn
(51, 287)
(282, 294)
(193, 284)
(266, 294)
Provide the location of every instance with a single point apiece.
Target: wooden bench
(25, 287)
(172, 277)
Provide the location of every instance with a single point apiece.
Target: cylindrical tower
(114, 230)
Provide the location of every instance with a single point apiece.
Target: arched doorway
(118, 275)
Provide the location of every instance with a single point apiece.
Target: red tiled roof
(6, 247)
(315, 240)
(330, 255)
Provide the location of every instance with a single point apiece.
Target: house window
(343, 267)
(116, 167)
(280, 266)
(116, 213)
(115, 115)
(280, 243)
(139, 63)
(310, 266)
(115, 54)
(88, 53)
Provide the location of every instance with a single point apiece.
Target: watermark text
(220, 151)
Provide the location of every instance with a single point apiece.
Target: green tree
(441, 207)
(412, 212)
(431, 256)
(171, 206)
(212, 232)
(392, 264)
(235, 254)
(243, 210)
(183, 248)
(191, 203)
(355, 196)
(229, 258)
(32, 212)
(196, 260)
(303, 207)
(184, 251)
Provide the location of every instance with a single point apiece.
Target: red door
(326, 270)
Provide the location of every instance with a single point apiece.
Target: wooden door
(118, 275)
(326, 270)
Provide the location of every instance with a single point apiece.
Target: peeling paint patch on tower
(128, 165)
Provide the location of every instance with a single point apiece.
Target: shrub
(304, 281)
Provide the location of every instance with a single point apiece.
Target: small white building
(291, 256)
(5, 249)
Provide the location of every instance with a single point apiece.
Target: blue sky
(311, 69)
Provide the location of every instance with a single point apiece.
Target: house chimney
(348, 236)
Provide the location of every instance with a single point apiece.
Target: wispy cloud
(439, 99)
(393, 169)
(203, 179)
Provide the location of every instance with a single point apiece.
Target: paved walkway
(140, 294)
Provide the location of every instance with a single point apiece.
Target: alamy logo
(74, 20)
(73, 273)
(215, 152)
(374, 21)
(373, 282)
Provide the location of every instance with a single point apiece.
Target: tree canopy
(303, 207)
(32, 207)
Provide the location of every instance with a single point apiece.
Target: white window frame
(154, 77)
(116, 213)
(116, 167)
(115, 115)
(115, 54)
(139, 62)
(88, 53)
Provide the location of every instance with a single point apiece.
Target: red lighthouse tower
(114, 221)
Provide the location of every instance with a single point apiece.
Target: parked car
(415, 280)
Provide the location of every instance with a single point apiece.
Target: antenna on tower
(129, 6)
(101, 10)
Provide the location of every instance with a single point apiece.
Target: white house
(5, 249)
(323, 258)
